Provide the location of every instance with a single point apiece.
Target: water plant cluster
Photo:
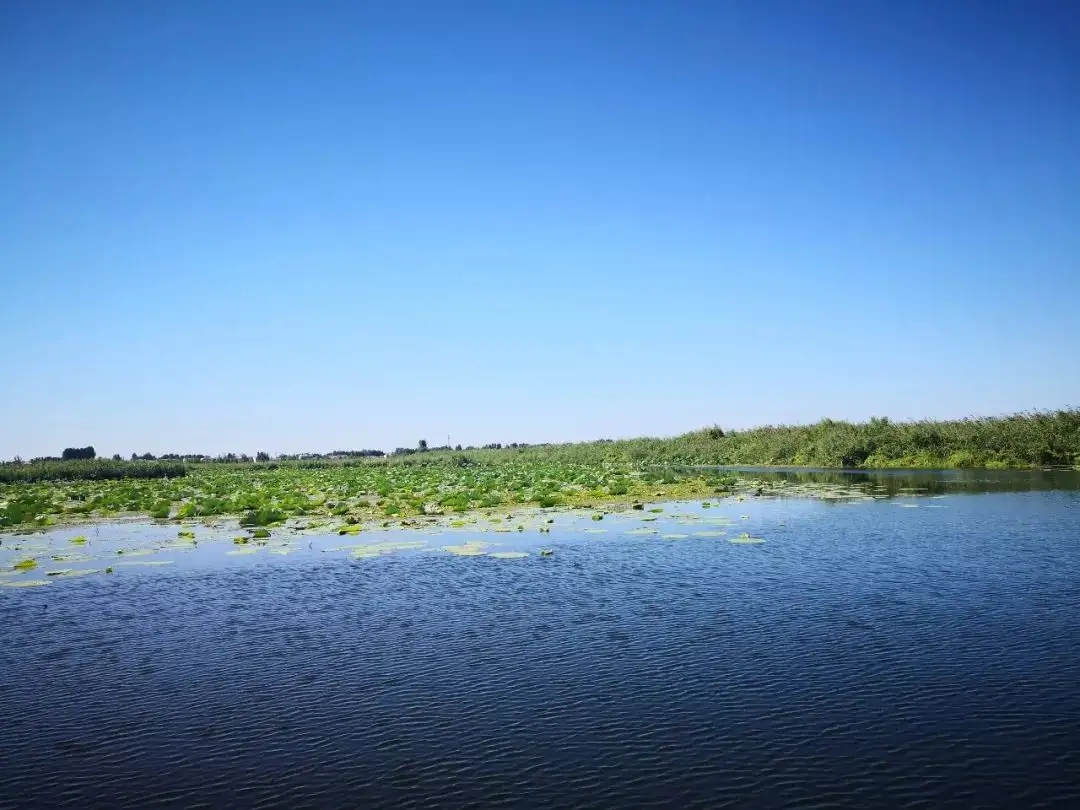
(264, 495)
(358, 490)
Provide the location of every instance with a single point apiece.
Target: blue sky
(310, 225)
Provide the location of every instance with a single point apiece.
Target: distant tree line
(72, 453)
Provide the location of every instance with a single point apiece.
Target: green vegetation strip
(605, 474)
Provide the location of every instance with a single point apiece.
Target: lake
(919, 646)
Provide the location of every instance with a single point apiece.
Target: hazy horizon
(441, 441)
(305, 227)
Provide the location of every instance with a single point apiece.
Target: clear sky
(317, 225)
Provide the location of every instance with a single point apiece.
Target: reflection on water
(933, 482)
(864, 655)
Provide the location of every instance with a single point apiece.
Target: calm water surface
(867, 654)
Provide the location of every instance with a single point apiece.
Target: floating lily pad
(746, 540)
(469, 549)
(376, 549)
(73, 572)
(25, 583)
(79, 541)
(25, 565)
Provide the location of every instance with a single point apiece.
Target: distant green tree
(116, 457)
(422, 445)
(71, 453)
(261, 456)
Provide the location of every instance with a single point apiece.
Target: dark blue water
(866, 655)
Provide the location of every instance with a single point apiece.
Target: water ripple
(862, 657)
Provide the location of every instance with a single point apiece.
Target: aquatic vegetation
(468, 549)
(161, 510)
(186, 535)
(624, 474)
(546, 552)
(745, 539)
(376, 549)
(24, 583)
(642, 531)
(241, 540)
(508, 555)
(598, 517)
(260, 534)
(25, 565)
(73, 572)
(264, 516)
(78, 541)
